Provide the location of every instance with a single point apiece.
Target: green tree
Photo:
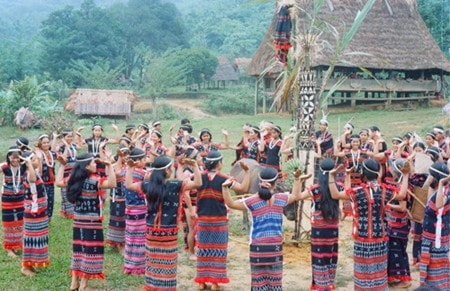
(72, 35)
(435, 14)
(199, 64)
(95, 75)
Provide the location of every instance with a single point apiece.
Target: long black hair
(370, 169)
(268, 175)
(212, 160)
(328, 205)
(155, 188)
(79, 174)
(438, 171)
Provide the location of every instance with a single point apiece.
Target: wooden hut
(396, 45)
(225, 72)
(101, 102)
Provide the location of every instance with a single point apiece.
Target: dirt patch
(190, 107)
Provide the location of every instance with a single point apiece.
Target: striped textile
(12, 209)
(266, 266)
(161, 240)
(212, 231)
(67, 208)
(88, 247)
(161, 253)
(434, 262)
(116, 228)
(135, 226)
(35, 225)
(324, 245)
(370, 246)
(398, 230)
(370, 265)
(212, 250)
(35, 241)
(434, 265)
(266, 241)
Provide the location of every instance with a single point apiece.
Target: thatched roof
(101, 102)
(393, 33)
(241, 64)
(224, 71)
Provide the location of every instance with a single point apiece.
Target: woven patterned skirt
(35, 240)
(12, 221)
(135, 239)
(88, 249)
(161, 253)
(116, 227)
(50, 190)
(266, 265)
(370, 265)
(212, 250)
(67, 208)
(398, 261)
(324, 257)
(434, 265)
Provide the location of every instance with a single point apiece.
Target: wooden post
(352, 99)
(256, 95)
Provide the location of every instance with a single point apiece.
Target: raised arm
(297, 193)
(242, 187)
(441, 197)
(197, 182)
(110, 182)
(335, 193)
(235, 204)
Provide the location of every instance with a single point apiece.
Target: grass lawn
(55, 277)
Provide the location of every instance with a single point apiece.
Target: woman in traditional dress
(12, 202)
(67, 150)
(370, 245)
(352, 158)
(185, 171)
(212, 233)
(272, 149)
(266, 238)
(135, 214)
(324, 230)
(164, 198)
(84, 189)
(205, 143)
(434, 262)
(115, 236)
(156, 148)
(93, 143)
(46, 157)
(397, 216)
(418, 180)
(35, 219)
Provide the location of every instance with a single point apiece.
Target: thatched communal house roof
(101, 102)
(225, 71)
(393, 33)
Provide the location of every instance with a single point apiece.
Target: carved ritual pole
(305, 115)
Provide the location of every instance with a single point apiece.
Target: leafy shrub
(232, 101)
(166, 112)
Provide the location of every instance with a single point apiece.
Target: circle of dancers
(392, 190)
